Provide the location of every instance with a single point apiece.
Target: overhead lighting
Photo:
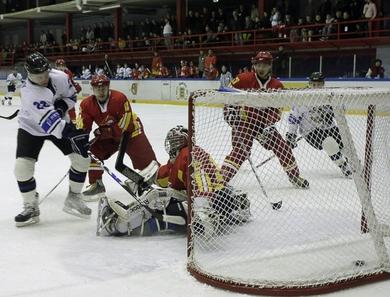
(38, 9)
(86, 11)
(110, 7)
(1, 16)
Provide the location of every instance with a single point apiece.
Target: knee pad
(79, 163)
(24, 169)
(331, 146)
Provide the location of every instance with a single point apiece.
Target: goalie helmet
(176, 139)
(36, 63)
(317, 77)
(262, 57)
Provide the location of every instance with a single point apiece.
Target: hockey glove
(61, 107)
(291, 139)
(103, 133)
(78, 139)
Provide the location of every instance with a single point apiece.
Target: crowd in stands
(280, 22)
(205, 67)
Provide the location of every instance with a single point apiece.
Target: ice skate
(94, 191)
(74, 205)
(30, 214)
(299, 182)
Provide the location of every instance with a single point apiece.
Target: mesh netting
(290, 188)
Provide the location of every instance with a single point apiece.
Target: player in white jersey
(45, 99)
(13, 81)
(318, 127)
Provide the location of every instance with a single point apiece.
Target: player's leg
(140, 150)
(102, 150)
(271, 139)
(27, 151)
(8, 97)
(74, 204)
(242, 141)
(332, 144)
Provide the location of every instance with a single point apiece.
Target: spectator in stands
(119, 72)
(167, 33)
(212, 72)
(201, 60)
(194, 71)
(127, 71)
(281, 62)
(184, 69)
(225, 77)
(86, 73)
(156, 63)
(328, 28)
(369, 12)
(211, 59)
(376, 70)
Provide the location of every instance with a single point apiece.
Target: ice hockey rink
(62, 256)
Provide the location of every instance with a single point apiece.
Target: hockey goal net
(333, 235)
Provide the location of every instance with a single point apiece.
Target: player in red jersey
(250, 123)
(111, 112)
(61, 65)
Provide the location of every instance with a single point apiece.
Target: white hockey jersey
(303, 119)
(14, 80)
(37, 114)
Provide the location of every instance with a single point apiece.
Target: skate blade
(93, 198)
(73, 212)
(31, 221)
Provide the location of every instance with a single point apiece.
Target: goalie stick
(125, 170)
(10, 117)
(178, 220)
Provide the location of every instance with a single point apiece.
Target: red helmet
(262, 57)
(100, 80)
(60, 62)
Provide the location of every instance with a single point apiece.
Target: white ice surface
(61, 256)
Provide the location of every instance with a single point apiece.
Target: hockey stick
(178, 220)
(55, 187)
(10, 117)
(125, 170)
(274, 205)
(273, 156)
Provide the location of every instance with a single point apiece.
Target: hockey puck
(359, 263)
(276, 205)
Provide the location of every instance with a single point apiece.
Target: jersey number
(41, 104)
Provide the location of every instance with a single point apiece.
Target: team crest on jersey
(134, 88)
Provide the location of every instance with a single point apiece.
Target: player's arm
(67, 98)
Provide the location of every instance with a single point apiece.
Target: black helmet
(36, 63)
(317, 76)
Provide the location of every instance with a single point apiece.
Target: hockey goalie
(162, 206)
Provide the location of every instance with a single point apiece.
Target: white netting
(315, 237)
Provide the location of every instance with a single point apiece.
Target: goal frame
(367, 211)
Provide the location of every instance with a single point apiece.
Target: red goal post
(317, 242)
